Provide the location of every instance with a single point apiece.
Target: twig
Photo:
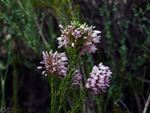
(138, 102)
(81, 87)
(145, 48)
(41, 33)
(144, 80)
(83, 72)
(124, 105)
(146, 105)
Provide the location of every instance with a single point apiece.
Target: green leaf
(148, 7)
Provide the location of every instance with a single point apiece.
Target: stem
(79, 100)
(3, 92)
(4, 79)
(1, 74)
(52, 92)
(66, 82)
(15, 84)
(147, 103)
(8, 60)
(64, 91)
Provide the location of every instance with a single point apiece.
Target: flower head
(54, 63)
(77, 77)
(99, 79)
(79, 36)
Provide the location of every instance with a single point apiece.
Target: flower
(99, 79)
(77, 77)
(79, 36)
(54, 63)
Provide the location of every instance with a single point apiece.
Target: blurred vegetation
(32, 25)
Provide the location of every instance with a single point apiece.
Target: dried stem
(146, 105)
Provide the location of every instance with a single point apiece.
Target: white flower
(72, 44)
(76, 35)
(99, 79)
(60, 26)
(97, 32)
(54, 62)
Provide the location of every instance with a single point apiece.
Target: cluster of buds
(54, 63)
(79, 36)
(99, 79)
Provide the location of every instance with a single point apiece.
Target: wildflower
(79, 36)
(77, 77)
(99, 79)
(54, 63)
(60, 26)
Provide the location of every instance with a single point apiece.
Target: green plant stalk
(62, 97)
(4, 79)
(3, 92)
(15, 90)
(99, 103)
(67, 80)
(82, 95)
(8, 60)
(52, 92)
(67, 83)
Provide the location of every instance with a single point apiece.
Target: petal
(39, 67)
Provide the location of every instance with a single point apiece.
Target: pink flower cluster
(99, 79)
(79, 36)
(54, 63)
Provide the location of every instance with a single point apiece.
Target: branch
(147, 103)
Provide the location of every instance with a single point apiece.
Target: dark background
(32, 26)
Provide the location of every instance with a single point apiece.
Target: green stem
(66, 85)
(4, 79)
(3, 92)
(52, 92)
(79, 100)
(1, 74)
(8, 60)
(15, 86)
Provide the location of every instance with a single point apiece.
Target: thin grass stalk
(15, 88)
(3, 93)
(4, 79)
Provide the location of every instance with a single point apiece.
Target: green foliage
(127, 63)
(19, 21)
(62, 10)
